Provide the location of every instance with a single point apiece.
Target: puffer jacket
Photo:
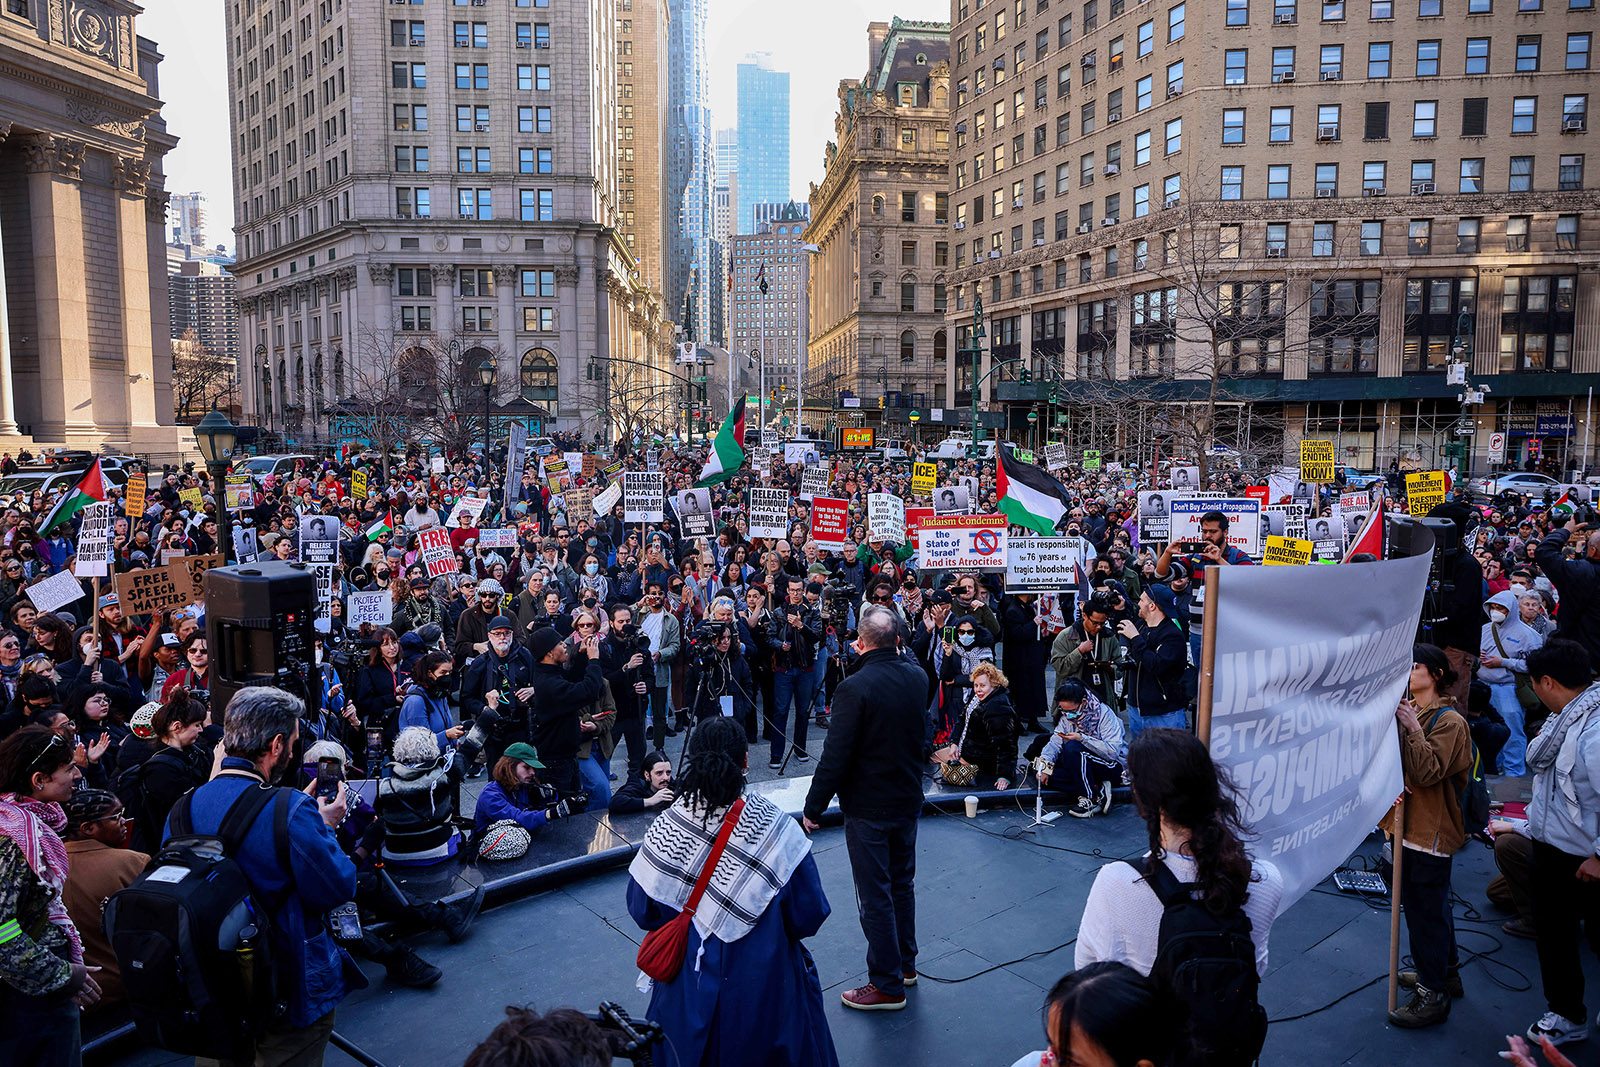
(417, 808)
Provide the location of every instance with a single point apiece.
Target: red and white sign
(914, 519)
(437, 553)
(1497, 448)
(970, 542)
(830, 522)
(1258, 492)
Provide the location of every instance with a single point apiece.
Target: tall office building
(725, 188)
(85, 359)
(770, 323)
(421, 188)
(692, 276)
(202, 298)
(187, 217)
(763, 145)
(1317, 206)
(877, 304)
(642, 129)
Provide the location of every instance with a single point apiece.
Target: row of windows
(1287, 11)
(413, 33)
(533, 205)
(1331, 238)
(1375, 178)
(414, 158)
(1425, 59)
(472, 118)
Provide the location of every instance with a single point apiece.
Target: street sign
(1497, 448)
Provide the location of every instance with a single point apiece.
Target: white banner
(643, 496)
(799, 452)
(604, 502)
(94, 542)
(813, 483)
(376, 608)
(962, 542)
(505, 537)
(1042, 564)
(769, 512)
(886, 518)
(438, 555)
(1055, 457)
(1303, 702)
(470, 506)
(56, 591)
(1244, 521)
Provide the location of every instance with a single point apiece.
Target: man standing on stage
(873, 761)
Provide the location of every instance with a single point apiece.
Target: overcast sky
(829, 43)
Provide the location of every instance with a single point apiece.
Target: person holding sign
(1211, 550)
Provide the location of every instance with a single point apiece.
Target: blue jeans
(796, 685)
(1504, 700)
(597, 782)
(1138, 724)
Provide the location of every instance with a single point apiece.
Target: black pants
(1560, 904)
(42, 1031)
(883, 863)
(561, 774)
(633, 733)
(1425, 898)
(754, 724)
(1490, 737)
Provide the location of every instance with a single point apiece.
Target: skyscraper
(687, 205)
(725, 189)
(763, 148)
(186, 215)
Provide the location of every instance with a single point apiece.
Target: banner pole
(1394, 902)
(1208, 657)
(94, 584)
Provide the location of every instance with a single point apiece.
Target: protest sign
(504, 537)
(1244, 521)
(1326, 534)
(154, 589)
(198, 565)
(1258, 492)
(830, 523)
(55, 592)
(1285, 520)
(579, 501)
(553, 466)
(591, 465)
(238, 492)
(813, 482)
(358, 486)
(886, 518)
(94, 542)
(914, 519)
(1286, 552)
(437, 554)
(607, 500)
(1055, 457)
(1184, 477)
(962, 541)
(643, 496)
(611, 470)
(436, 465)
(800, 452)
(1155, 522)
(1091, 459)
(769, 512)
(245, 546)
(923, 477)
(1316, 462)
(574, 462)
(1360, 500)
(376, 608)
(952, 500)
(1424, 491)
(694, 512)
(470, 506)
(133, 496)
(1302, 704)
(191, 498)
(1041, 564)
(761, 463)
(319, 550)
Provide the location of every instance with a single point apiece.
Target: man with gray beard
(501, 680)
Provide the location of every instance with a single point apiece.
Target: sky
(828, 44)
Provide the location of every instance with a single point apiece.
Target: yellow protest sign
(1424, 491)
(923, 475)
(133, 499)
(1286, 551)
(1316, 462)
(358, 485)
(191, 496)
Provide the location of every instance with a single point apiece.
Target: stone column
(129, 177)
(1391, 323)
(66, 400)
(508, 374)
(447, 320)
(376, 300)
(1586, 327)
(1486, 328)
(8, 389)
(569, 348)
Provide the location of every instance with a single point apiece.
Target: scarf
(765, 848)
(1557, 747)
(34, 826)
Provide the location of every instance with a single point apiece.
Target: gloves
(560, 810)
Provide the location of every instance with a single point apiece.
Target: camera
(470, 746)
(703, 641)
(837, 596)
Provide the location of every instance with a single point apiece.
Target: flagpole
(1399, 850)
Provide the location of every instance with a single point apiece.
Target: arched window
(338, 373)
(941, 344)
(300, 380)
(941, 96)
(922, 59)
(877, 205)
(908, 346)
(539, 377)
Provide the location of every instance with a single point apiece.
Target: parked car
(258, 467)
(959, 446)
(1531, 484)
(1351, 478)
(22, 484)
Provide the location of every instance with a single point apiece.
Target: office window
(1141, 148)
(1238, 12)
(1175, 24)
(1232, 183)
(1566, 232)
(1141, 201)
(1146, 39)
(1142, 91)
(1381, 9)
(1278, 181)
(1377, 124)
(1280, 127)
(1430, 9)
(541, 77)
(1468, 232)
(1524, 114)
(1282, 63)
(1372, 238)
(1427, 59)
(1228, 241)
(1477, 55)
(1372, 177)
(537, 205)
(1174, 136)
(542, 122)
(1575, 110)
(1332, 10)
(1233, 66)
(1327, 179)
(1174, 77)
(1578, 51)
(1425, 118)
(1322, 238)
(1480, 7)
(1570, 174)
(1277, 239)
(1516, 236)
(474, 204)
(1419, 237)
(1475, 116)
(1471, 176)
(1233, 126)
(1528, 53)
(1331, 66)
(1378, 54)
(908, 296)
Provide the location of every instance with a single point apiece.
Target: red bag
(662, 950)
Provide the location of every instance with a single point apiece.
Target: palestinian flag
(91, 489)
(1030, 496)
(1564, 507)
(727, 450)
(381, 527)
(1370, 539)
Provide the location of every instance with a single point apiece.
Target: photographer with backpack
(1195, 915)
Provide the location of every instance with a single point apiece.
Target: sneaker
(1084, 809)
(1426, 1008)
(1558, 1029)
(478, 770)
(1452, 982)
(1520, 927)
(774, 764)
(909, 978)
(456, 918)
(801, 756)
(1105, 798)
(410, 969)
(870, 998)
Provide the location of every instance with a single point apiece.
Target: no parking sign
(1497, 448)
(965, 542)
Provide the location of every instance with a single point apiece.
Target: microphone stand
(1040, 818)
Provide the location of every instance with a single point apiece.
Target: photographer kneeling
(719, 678)
(647, 791)
(1088, 746)
(516, 794)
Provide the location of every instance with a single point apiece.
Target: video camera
(703, 640)
(838, 596)
(630, 1039)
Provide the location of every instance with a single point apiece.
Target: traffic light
(1027, 376)
(1055, 392)
(880, 403)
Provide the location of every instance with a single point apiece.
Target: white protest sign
(1055, 457)
(643, 496)
(470, 506)
(1284, 520)
(1041, 564)
(94, 542)
(436, 465)
(813, 483)
(504, 537)
(1244, 520)
(604, 502)
(574, 462)
(516, 458)
(1185, 477)
(769, 512)
(1302, 704)
(376, 608)
(799, 452)
(886, 518)
(970, 542)
(1154, 519)
(55, 592)
(319, 550)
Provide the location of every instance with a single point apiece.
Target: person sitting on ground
(417, 801)
(986, 734)
(101, 865)
(516, 794)
(1087, 751)
(647, 791)
(1106, 1014)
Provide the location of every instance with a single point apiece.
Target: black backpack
(1474, 792)
(193, 939)
(1208, 964)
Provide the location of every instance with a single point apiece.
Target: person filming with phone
(1212, 550)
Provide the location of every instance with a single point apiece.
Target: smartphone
(949, 635)
(330, 771)
(1190, 547)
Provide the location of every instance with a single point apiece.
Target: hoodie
(1516, 636)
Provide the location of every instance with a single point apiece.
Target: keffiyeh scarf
(35, 826)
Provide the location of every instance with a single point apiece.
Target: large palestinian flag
(91, 489)
(727, 450)
(1030, 496)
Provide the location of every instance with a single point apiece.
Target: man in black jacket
(873, 761)
(794, 631)
(647, 791)
(564, 684)
(1577, 583)
(623, 665)
(501, 680)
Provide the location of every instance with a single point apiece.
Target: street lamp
(1033, 427)
(486, 378)
(215, 436)
(915, 417)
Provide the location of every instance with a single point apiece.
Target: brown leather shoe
(870, 998)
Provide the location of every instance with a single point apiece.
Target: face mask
(1496, 615)
(319, 656)
(591, 568)
(967, 640)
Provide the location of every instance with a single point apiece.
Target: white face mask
(1497, 615)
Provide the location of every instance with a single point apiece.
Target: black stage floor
(995, 909)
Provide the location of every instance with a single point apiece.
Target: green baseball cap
(525, 753)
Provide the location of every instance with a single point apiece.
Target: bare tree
(200, 378)
(391, 392)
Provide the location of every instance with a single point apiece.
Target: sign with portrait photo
(694, 512)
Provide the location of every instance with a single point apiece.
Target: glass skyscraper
(691, 273)
(763, 138)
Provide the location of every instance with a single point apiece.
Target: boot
(410, 969)
(1452, 982)
(455, 918)
(1426, 1008)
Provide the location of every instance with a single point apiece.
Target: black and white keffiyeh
(764, 850)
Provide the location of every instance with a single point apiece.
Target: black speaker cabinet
(259, 620)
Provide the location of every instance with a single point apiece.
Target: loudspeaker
(259, 628)
(1406, 535)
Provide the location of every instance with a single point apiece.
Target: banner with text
(769, 512)
(970, 542)
(94, 542)
(830, 523)
(923, 475)
(1041, 564)
(886, 518)
(644, 495)
(1424, 491)
(1244, 521)
(1316, 462)
(437, 554)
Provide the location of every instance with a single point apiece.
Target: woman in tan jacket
(1435, 753)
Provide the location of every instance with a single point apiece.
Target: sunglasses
(56, 741)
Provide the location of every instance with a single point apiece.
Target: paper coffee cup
(972, 807)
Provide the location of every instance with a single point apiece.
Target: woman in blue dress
(747, 993)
